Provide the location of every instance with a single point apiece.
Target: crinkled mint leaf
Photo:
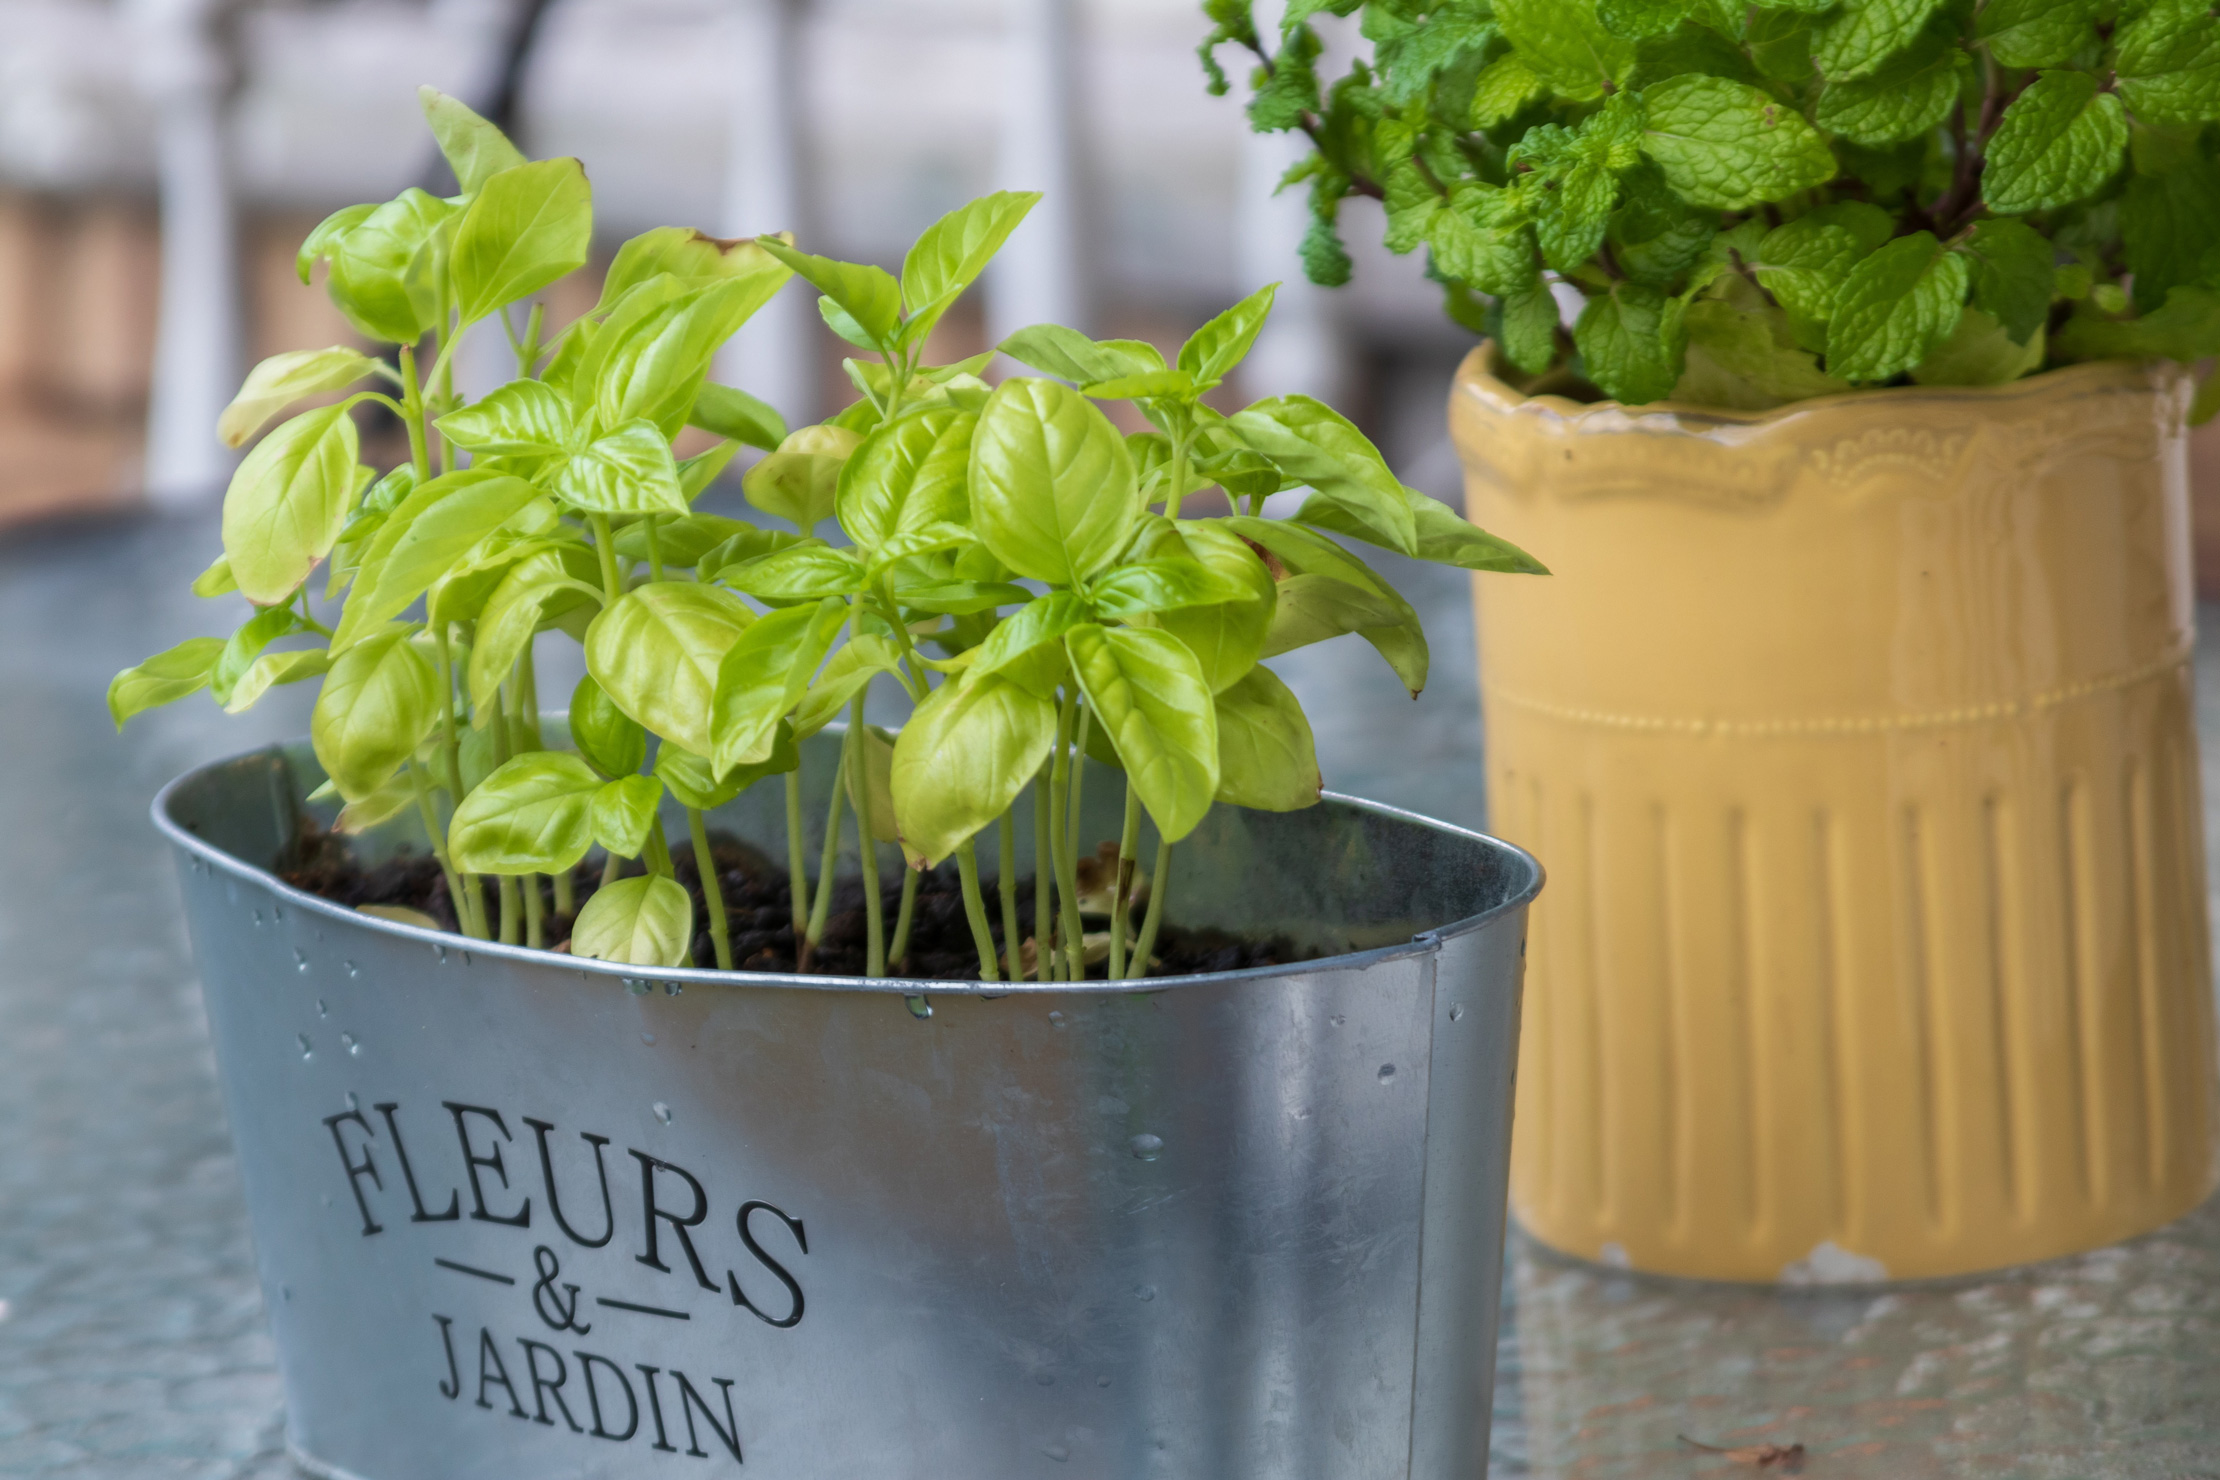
(2015, 275)
(2171, 223)
(1689, 48)
(1655, 235)
(1493, 259)
(1857, 38)
(1980, 351)
(1895, 306)
(1409, 64)
(2060, 141)
(1626, 345)
(1726, 144)
(1566, 45)
(1741, 354)
(2168, 62)
(1911, 93)
(1504, 86)
(2037, 33)
(1530, 325)
(1636, 20)
(1325, 260)
(1291, 88)
(1412, 204)
(2186, 327)
(1804, 263)
(1780, 45)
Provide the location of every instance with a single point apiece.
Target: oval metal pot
(520, 1216)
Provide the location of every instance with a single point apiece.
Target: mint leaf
(1742, 354)
(2015, 274)
(1491, 258)
(1691, 48)
(1726, 144)
(2168, 62)
(2185, 327)
(2060, 141)
(1805, 263)
(1980, 351)
(1855, 40)
(1412, 204)
(1325, 260)
(1291, 88)
(1530, 325)
(2170, 223)
(1623, 339)
(1911, 93)
(1503, 87)
(1780, 45)
(1895, 306)
(1636, 20)
(1566, 45)
(1654, 235)
(1409, 64)
(2037, 33)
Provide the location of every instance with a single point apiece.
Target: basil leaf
(611, 740)
(1313, 444)
(1148, 695)
(868, 295)
(288, 502)
(644, 921)
(281, 380)
(381, 698)
(533, 815)
(1266, 756)
(384, 268)
(801, 481)
(907, 474)
(731, 412)
(1212, 351)
(527, 226)
(954, 250)
(422, 539)
(623, 812)
(657, 653)
(627, 471)
(765, 674)
(521, 419)
(960, 762)
(165, 678)
(1052, 488)
(475, 150)
(1073, 356)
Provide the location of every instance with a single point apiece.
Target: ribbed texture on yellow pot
(1856, 737)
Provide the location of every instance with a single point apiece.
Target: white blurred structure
(1041, 275)
(765, 165)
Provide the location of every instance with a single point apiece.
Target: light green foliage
(377, 705)
(525, 227)
(2055, 154)
(288, 502)
(476, 151)
(657, 653)
(164, 678)
(647, 921)
(1052, 487)
(532, 815)
(1148, 694)
(964, 756)
(281, 380)
(1266, 757)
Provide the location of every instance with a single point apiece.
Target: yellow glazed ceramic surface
(1856, 737)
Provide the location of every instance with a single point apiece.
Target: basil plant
(1045, 591)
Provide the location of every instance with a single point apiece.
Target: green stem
(1044, 870)
(658, 855)
(975, 910)
(820, 905)
(1176, 489)
(529, 349)
(512, 921)
(797, 855)
(1075, 948)
(438, 835)
(1129, 844)
(470, 905)
(412, 403)
(535, 913)
(867, 848)
(1058, 778)
(611, 867)
(654, 549)
(1159, 886)
(605, 546)
(898, 950)
(1006, 876)
(712, 890)
(566, 896)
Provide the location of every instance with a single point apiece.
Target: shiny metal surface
(517, 1218)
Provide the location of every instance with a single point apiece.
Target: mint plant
(1045, 591)
(1765, 202)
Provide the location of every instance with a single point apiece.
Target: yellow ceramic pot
(1856, 737)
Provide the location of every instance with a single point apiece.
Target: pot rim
(1476, 376)
(1421, 943)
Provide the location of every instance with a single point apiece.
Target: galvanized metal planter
(522, 1217)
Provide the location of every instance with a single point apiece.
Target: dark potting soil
(759, 911)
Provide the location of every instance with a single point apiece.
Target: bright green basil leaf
(954, 250)
(1212, 351)
(627, 471)
(2167, 59)
(797, 573)
(475, 150)
(1155, 385)
(731, 412)
(657, 651)
(868, 295)
(1313, 444)
(2014, 274)
(801, 481)
(1445, 536)
(652, 356)
(907, 474)
(381, 698)
(688, 777)
(1148, 694)
(527, 226)
(610, 740)
(1726, 144)
(1071, 355)
(1911, 93)
(643, 921)
(875, 805)
(272, 670)
(164, 678)
(745, 544)
(217, 580)
(1039, 622)
(545, 583)
(1226, 639)
(422, 539)
(623, 813)
(848, 670)
(2061, 141)
(1980, 352)
(930, 539)
(1052, 488)
(1163, 585)
(1388, 622)
(679, 542)
(696, 473)
(765, 674)
(461, 594)
(1861, 35)
(246, 645)
(2037, 33)
(1895, 307)
(383, 805)
(385, 267)
(694, 260)
(959, 598)
(966, 753)
(288, 502)
(532, 815)
(1628, 344)
(1266, 756)
(522, 419)
(1566, 45)
(281, 380)
(323, 239)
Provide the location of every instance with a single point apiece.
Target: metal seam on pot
(1852, 725)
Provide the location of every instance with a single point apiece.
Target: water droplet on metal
(662, 1112)
(441, 952)
(466, 959)
(1146, 1147)
(308, 1050)
(647, 1037)
(352, 969)
(918, 1006)
(1103, 1381)
(352, 1102)
(1387, 1072)
(672, 989)
(1145, 1292)
(258, 919)
(277, 911)
(321, 1009)
(1057, 1452)
(300, 960)
(1337, 1020)
(635, 986)
(1056, 1020)
(349, 1042)
(1456, 1011)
